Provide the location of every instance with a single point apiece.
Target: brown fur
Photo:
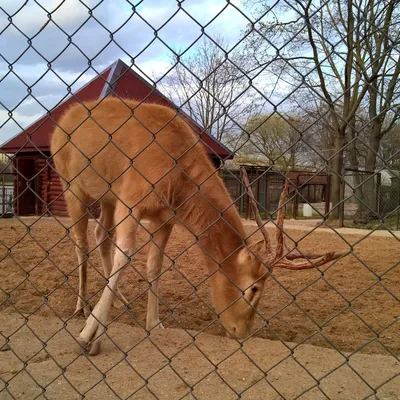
(151, 165)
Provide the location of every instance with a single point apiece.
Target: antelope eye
(254, 289)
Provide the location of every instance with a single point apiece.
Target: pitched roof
(120, 80)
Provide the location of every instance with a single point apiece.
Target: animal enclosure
(188, 308)
(305, 187)
(199, 200)
(319, 315)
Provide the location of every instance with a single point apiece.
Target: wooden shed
(267, 184)
(37, 188)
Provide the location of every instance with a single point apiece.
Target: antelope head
(238, 291)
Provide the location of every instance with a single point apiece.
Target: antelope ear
(257, 248)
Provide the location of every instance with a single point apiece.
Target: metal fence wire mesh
(373, 199)
(158, 165)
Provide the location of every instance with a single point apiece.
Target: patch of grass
(266, 215)
(290, 214)
(392, 223)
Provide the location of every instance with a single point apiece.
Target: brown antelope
(144, 162)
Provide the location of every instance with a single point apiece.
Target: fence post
(341, 202)
(327, 195)
(3, 196)
(378, 193)
(296, 199)
(398, 205)
(258, 192)
(246, 205)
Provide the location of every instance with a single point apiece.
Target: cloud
(11, 124)
(68, 15)
(76, 44)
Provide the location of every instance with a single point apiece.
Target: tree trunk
(337, 173)
(356, 189)
(374, 143)
(370, 186)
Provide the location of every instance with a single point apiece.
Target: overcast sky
(29, 63)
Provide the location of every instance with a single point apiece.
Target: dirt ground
(347, 306)
(352, 306)
(170, 364)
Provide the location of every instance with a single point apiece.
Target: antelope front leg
(105, 245)
(119, 300)
(154, 265)
(90, 337)
(81, 305)
(79, 221)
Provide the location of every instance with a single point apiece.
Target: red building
(37, 187)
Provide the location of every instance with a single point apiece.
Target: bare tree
(211, 84)
(276, 140)
(390, 149)
(344, 52)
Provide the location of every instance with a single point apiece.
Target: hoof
(92, 348)
(81, 346)
(95, 348)
(82, 311)
(153, 327)
(89, 339)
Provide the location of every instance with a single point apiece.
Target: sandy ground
(352, 306)
(174, 364)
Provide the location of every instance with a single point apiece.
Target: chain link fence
(7, 194)
(156, 161)
(371, 198)
(310, 192)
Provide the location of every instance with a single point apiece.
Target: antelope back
(149, 148)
